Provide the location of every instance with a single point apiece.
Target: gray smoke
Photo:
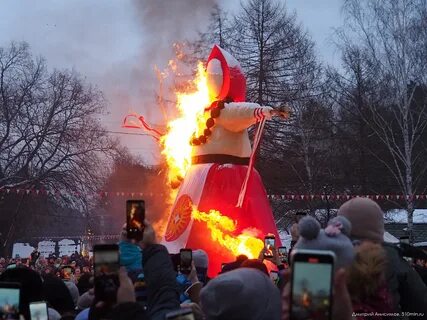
(113, 44)
(161, 24)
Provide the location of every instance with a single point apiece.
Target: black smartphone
(269, 243)
(283, 254)
(181, 314)
(135, 216)
(274, 276)
(311, 284)
(38, 310)
(106, 269)
(186, 257)
(9, 300)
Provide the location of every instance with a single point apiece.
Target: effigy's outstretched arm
(238, 116)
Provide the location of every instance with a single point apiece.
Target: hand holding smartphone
(270, 244)
(9, 300)
(311, 284)
(135, 216)
(186, 258)
(283, 254)
(106, 267)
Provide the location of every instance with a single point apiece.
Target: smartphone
(269, 243)
(66, 272)
(9, 300)
(311, 284)
(135, 216)
(274, 276)
(106, 267)
(38, 311)
(182, 314)
(186, 257)
(283, 254)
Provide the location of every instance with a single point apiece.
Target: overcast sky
(115, 44)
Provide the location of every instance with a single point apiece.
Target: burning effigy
(221, 205)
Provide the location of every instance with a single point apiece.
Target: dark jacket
(404, 284)
(34, 256)
(422, 271)
(162, 288)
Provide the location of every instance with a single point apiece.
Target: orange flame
(176, 143)
(221, 226)
(177, 150)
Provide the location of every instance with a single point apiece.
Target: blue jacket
(130, 256)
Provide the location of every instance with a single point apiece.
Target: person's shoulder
(395, 258)
(391, 249)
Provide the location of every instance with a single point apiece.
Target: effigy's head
(225, 76)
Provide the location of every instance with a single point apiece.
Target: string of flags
(313, 197)
(138, 194)
(80, 237)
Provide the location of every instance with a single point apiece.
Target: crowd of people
(371, 280)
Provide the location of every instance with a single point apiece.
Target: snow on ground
(399, 215)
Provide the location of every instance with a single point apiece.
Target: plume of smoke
(161, 24)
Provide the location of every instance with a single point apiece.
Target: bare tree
(276, 54)
(217, 32)
(50, 132)
(393, 38)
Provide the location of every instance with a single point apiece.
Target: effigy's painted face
(215, 78)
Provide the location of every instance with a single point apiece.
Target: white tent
(388, 237)
(22, 250)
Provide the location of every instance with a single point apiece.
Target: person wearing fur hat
(408, 292)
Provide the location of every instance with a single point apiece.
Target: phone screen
(38, 311)
(135, 216)
(66, 273)
(186, 258)
(283, 254)
(106, 262)
(106, 267)
(312, 288)
(9, 303)
(269, 243)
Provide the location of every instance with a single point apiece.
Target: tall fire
(178, 151)
(175, 143)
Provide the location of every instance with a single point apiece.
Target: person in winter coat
(34, 256)
(160, 279)
(130, 256)
(421, 267)
(408, 292)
